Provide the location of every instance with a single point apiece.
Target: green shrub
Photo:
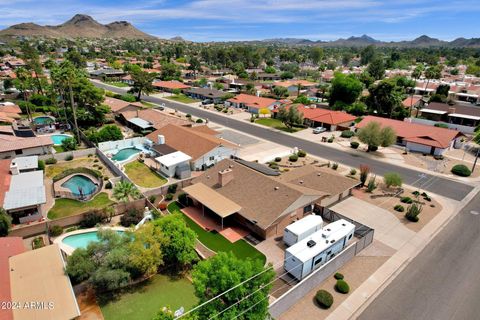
(38, 243)
(169, 196)
(293, 158)
(301, 154)
(55, 231)
(108, 185)
(416, 193)
(441, 125)
(131, 217)
(406, 200)
(69, 157)
(172, 188)
(413, 211)
(338, 276)
(342, 286)
(152, 199)
(199, 121)
(427, 198)
(354, 144)
(372, 185)
(105, 178)
(183, 199)
(273, 165)
(91, 219)
(95, 161)
(372, 148)
(347, 134)
(278, 159)
(69, 144)
(41, 165)
(335, 166)
(461, 170)
(353, 171)
(330, 140)
(51, 161)
(399, 208)
(95, 173)
(392, 179)
(324, 298)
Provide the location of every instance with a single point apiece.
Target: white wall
(218, 154)
(463, 129)
(170, 171)
(37, 151)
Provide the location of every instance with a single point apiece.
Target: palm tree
(125, 190)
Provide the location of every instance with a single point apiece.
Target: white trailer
(310, 253)
(301, 229)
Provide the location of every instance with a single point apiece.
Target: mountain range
(84, 26)
(80, 26)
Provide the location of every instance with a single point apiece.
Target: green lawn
(70, 207)
(145, 300)
(217, 242)
(182, 98)
(277, 124)
(118, 84)
(148, 104)
(143, 176)
(59, 149)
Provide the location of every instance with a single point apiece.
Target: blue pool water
(43, 120)
(82, 240)
(125, 154)
(58, 138)
(80, 185)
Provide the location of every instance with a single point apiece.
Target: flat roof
(39, 276)
(210, 198)
(173, 158)
(304, 223)
(465, 116)
(139, 122)
(433, 111)
(323, 239)
(26, 189)
(26, 163)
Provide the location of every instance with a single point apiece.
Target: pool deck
(68, 249)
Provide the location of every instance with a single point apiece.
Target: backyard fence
(163, 190)
(292, 296)
(62, 156)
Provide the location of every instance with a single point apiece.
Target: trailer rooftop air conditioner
(311, 243)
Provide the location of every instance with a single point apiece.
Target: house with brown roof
(459, 113)
(418, 137)
(242, 193)
(169, 86)
(9, 247)
(12, 146)
(147, 120)
(117, 105)
(293, 85)
(252, 103)
(318, 117)
(204, 148)
(205, 93)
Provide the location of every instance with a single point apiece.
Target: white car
(318, 130)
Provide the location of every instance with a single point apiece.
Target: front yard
(117, 84)
(143, 176)
(277, 124)
(146, 299)
(182, 98)
(70, 207)
(217, 242)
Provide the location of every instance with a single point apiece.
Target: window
(349, 237)
(211, 158)
(20, 151)
(317, 261)
(307, 208)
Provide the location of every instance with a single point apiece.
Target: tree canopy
(345, 88)
(374, 135)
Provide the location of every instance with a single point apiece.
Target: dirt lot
(430, 208)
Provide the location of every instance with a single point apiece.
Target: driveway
(388, 228)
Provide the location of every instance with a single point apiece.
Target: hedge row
(97, 174)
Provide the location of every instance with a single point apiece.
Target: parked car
(160, 108)
(318, 130)
(207, 101)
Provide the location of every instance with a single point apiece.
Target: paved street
(443, 281)
(439, 185)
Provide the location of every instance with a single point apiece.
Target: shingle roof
(207, 92)
(11, 143)
(253, 101)
(323, 115)
(172, 85)
(419, 133)
(156, 117)
(194, 143)
(456, 108)
(117, 105)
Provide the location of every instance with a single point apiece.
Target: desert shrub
(69, 157)
(183, 199)
(342, 286)
(330, 140)
(324, 298)
(131, 217)
(347, 134)
(95, 161)
(169, 196)
(51, 161)
(55, 231)
(293, 158)
(338, 276)
(372, 185)
(105, 178)
(399, 208)
(354, 144)
(413, 211)
(38, 243)
(364, 171)
(91, 219)
(41, 165)
(301, 154)
(172, 188)
(335, 166)
(392, 179)
(353, 171)
(108, 185)
(427, 198)
(416, 193)
(278, 159)
(152, 199)
(273, 165)
(199, 121)
(441, 125)
(372, 148)
(461, 170)
(406, 200)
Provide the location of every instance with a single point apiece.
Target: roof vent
(208, 177)
(301, 181)
(276, 188)
(311, 243)
(230, 166)
(318, 174)
(332, 241)
(343, 224)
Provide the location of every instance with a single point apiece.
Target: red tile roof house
(117, 105)
(329, 119)
(292, 85)
(9, 247)
(170, 86)
(418, 137)
(252, 103)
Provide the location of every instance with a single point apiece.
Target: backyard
(143, 176)
(217, 242)
(92, 162)
(146, 299)
(70, 207)
(182, 98)
(277, 124)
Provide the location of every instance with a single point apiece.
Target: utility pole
(476, 158)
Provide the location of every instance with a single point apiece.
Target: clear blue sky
(218, 20)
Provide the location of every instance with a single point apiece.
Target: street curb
(355, 309)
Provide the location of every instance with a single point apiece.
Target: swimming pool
(58, 138)
(80, 185)
(125, 154)
(43, 120)
(81, 240)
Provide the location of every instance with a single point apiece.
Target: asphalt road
(442, 186)
(443, 281)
